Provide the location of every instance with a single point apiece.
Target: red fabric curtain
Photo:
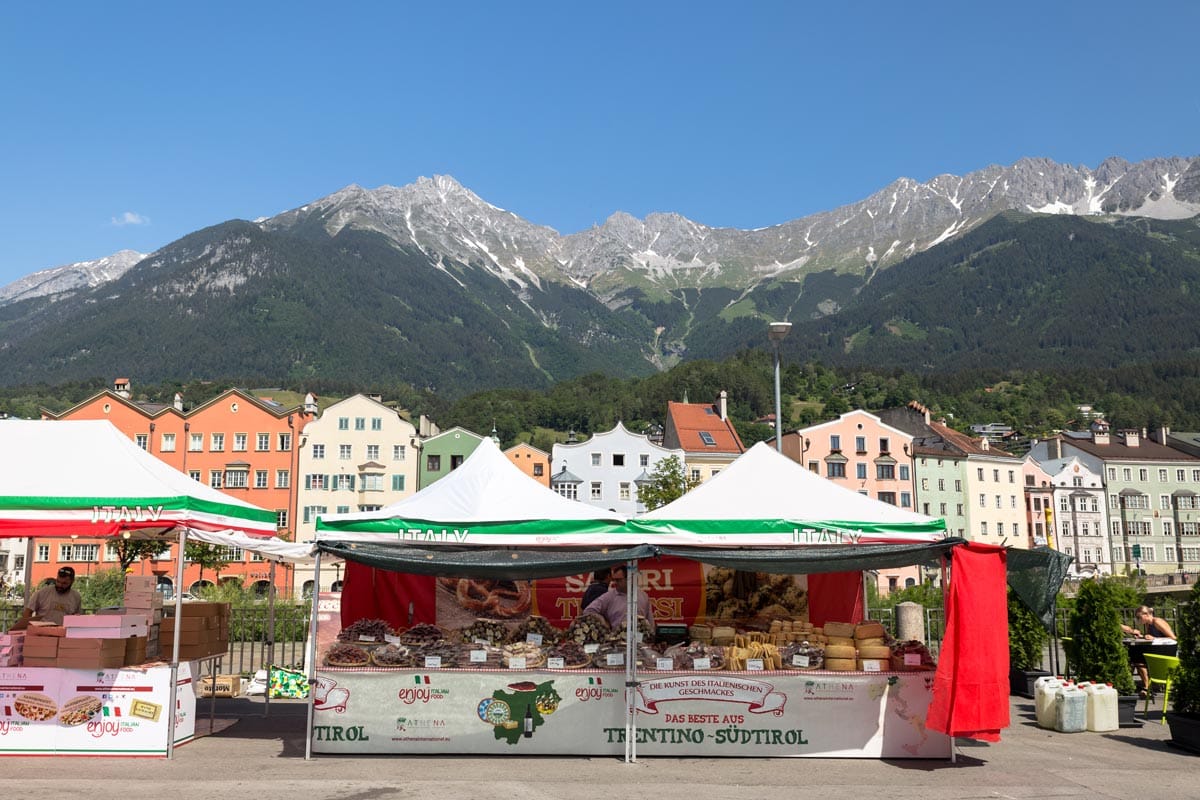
(970, 689)
(835, 597)
(369, 593)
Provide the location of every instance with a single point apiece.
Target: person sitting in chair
(1153, 627)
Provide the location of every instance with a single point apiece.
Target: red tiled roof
(692, 419)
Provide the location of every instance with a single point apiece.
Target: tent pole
(631, 651)
(270, 636)
(945, 622)
(311, 656)
(28, 569)
(178, 628)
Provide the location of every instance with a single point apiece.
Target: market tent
(487, 501)
(85, 477)
(766, 498)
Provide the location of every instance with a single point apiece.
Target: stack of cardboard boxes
(12, 648)
(203, 631)
(98, 641)
(143, 599)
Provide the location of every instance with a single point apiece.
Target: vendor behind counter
(52, 603)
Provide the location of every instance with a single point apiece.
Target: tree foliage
(669, 481)
(1098, 652)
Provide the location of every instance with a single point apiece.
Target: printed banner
(582, 713)
(44, 710)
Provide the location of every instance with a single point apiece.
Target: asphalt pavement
(255, 756)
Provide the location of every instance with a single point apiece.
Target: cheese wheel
(840, 640)
(841, 664)
(840, 651)
(868, 642)
(840, 629)
(874, 651)
(868, 630)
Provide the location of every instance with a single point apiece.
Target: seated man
(51, 603)
(612, 604)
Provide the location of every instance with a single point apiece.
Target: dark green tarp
(814, 560)
(1036, 576)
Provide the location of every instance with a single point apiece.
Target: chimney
(1131, 437)
(1164, 433)
(121, 388)
(178, 402)
(310, 403)
(1100, 435)
(722, 405)
(984, 444)
(1053, 451)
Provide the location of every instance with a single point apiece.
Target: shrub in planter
(1026, 638)
(1185, 685)
(1095, 627)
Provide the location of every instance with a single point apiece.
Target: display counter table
(107, 712)
(582, 712)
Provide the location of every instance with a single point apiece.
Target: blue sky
(128, 125)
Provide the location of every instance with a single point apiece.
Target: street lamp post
(776, 332)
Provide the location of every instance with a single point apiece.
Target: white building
(605, 470)
(359, 455)
(1078, 520)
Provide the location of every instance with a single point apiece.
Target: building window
(568, 490)
(695, 473)
(78, 552)
(239, 442)
(318, 452)
(285, 441)
(979, 472)
(860, 444)
(194, 474)
(998, 502)
(885, 472)
(983, 528)
(1127, 474)
(814, 466)
(43, 553)
(1012, 476)
(344, 451)
(360, 423)
(216, 443)
(999, 528)
(888, 497)
(595, 459)
(399, 452)
(168, 443)
(538, 470)
(1178, 475)
(372, 452)
(942, 509)
(1164, 501)
(707, 439)
(312, 512)
(316, 481)
(236, 478)
(904, 472)
(397, 483)
(433, 463)
(343, 423)
(982, 500)
(884, 446)
(860, 471)
(644, 460)
(595, 494)
(957, 486)
(996, 475)
(835, 469)
(958, 509)
(941, 484)
(371, 483)
(342, 510)
(623, 490)
(343, 483)
(262, 442)
(376, 423)
(1162, 476)
(215, 477)
(142, 440)
(1143, 475)
(283, 479)
(195, 442)
(456, 461)
(260, 479)
(618, 459)
(835, 443)
(905, 500)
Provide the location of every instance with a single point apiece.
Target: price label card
(872, 665)
(555, 662)
(480, 640)
(754, 664)
(516, 662)
(390, 639)
(366, 639)
(664, 663)
(433, 662)
(701, 663)
(800, 660)
(534, 638)
(615, 659)
(591, 648)
(479, 656)
(912, 659)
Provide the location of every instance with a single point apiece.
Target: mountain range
(429, 284)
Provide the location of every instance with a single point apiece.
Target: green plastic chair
(1161, 670)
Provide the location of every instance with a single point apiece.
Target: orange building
(243, 445)
(533, 462)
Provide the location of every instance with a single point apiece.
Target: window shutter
(307, 485)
